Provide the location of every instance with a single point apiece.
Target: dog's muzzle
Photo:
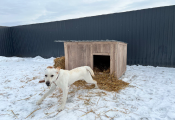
(48, 83)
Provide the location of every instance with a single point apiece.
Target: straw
(59, 62)
(105, 81)
(32, 112)
(13, 113)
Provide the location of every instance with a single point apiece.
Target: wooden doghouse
(90, 53)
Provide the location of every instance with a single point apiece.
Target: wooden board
(81, 54)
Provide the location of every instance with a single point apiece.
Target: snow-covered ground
(150, 95)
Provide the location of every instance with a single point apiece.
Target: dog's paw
(60, 108)
(39, 102)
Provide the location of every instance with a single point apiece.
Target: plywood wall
(81, 54)
(121, 59)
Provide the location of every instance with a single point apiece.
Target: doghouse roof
(88, 41)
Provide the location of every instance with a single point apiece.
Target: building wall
(150, 34)
(6, 46)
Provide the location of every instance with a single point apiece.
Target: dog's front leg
(65, 92)
(46, 94)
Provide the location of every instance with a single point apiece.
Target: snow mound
(40, 59)
(8, 59)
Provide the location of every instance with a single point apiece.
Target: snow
(150, 95)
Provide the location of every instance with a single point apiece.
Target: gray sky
(21, 12)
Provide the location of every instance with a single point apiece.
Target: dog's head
(51, 74)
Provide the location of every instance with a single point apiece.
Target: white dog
(64, 78)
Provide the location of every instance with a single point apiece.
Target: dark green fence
(6, 45)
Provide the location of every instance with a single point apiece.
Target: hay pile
(105, 80)
(59, 62)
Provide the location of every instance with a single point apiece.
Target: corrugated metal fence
(6, 46)
(150, 34)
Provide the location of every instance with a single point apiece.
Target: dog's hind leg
(95, 82)
(90, 80)
(46, 94)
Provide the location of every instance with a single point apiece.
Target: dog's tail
(90, 70)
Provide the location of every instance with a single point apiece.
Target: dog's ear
(50, 67)
(58, 69)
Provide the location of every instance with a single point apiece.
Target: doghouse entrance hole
(101, 63)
